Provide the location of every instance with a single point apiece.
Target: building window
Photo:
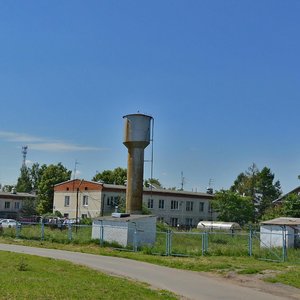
(201, 206)
(86, 188)
(84, 216)
(161, 204)
(174, 204)
(85, 200)
(7, 205)
(150, 203)
(108, 201)
(174, 222)
(189, 205)
(67, 201)
(188, 222)
(67, 188)
(17, 205)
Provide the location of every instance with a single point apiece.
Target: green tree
(272, 213)
(24, 183)
(153, 181)
(232, 207)
(260, 186)
(116, 176)
(51, 175)
(35, 173)
(245, 183)
(268, 189)
(29, 207)
(7, 188)
(291, 206)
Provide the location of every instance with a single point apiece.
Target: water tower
(131, 228)
(136, 139)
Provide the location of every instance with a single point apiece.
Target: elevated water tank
(136, 139)
(137, 130)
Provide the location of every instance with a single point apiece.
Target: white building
(11, 203)
(280, 231)
(81, 198)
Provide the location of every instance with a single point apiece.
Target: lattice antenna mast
(75, 169)
(182, 181)
(24, 153)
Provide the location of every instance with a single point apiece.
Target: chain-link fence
(280, 246)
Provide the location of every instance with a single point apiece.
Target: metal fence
(170, 242)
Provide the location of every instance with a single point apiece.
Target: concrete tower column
(136, 139)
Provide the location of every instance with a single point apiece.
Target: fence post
(204, 242)
(42, 230)
(101, 233)
(70, 231)
(18, 229)
(284, 243)
(168, 242)
(135, 239)
(250, 241)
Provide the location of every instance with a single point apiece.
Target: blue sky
(220, 78)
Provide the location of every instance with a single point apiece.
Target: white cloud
(61, 146)
(44, 144)
(18, 137)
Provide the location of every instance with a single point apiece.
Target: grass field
(285, 272)
(31, 277)
(192, 243)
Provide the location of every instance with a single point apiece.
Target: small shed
(126, 230)
(214, 225)
(280, 232)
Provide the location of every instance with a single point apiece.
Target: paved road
(191, 285)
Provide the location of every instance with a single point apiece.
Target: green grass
(32, 277)
(225, 252)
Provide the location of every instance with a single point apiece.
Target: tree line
(39, 180)
(250, 198)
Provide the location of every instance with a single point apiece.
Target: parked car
(8, 223)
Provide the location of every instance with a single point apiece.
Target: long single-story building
(87, 199)
(11, 203)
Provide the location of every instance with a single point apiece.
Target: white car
(8, 223)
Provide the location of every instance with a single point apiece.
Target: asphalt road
(190, 285)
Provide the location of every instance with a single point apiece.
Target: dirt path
(187, 284)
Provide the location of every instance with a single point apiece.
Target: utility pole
(77, 202)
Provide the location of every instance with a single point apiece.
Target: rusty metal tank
(137, 129)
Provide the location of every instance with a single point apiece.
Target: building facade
(11, 203)
(86, 199)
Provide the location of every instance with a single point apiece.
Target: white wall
(272, 236)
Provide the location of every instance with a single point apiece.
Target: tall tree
(260, 186)
(116, 176)
(35, 173)
(51, 175)
(233, 207)
(268, 189)
(24, 183)
(245, 182)
(291, 206)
